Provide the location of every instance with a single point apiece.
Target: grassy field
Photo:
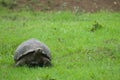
(77, 52)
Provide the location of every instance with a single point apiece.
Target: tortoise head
(41, 58)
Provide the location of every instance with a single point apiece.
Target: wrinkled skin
(35, 58)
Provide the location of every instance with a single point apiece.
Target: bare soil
(74, 5)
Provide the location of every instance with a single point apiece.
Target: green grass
(77, 53)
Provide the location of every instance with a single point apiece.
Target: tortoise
(32, 53)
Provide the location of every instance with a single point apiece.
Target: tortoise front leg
(46, 62)
(21, 62)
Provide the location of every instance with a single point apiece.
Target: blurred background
(60, 5)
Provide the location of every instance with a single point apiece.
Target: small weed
(96, 26)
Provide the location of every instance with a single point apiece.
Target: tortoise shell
(29, 47)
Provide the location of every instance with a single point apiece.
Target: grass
(78, 53)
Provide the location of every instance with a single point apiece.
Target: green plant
(96, 26)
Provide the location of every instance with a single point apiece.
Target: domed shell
(31, 45)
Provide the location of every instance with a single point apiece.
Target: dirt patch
(74, 5)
